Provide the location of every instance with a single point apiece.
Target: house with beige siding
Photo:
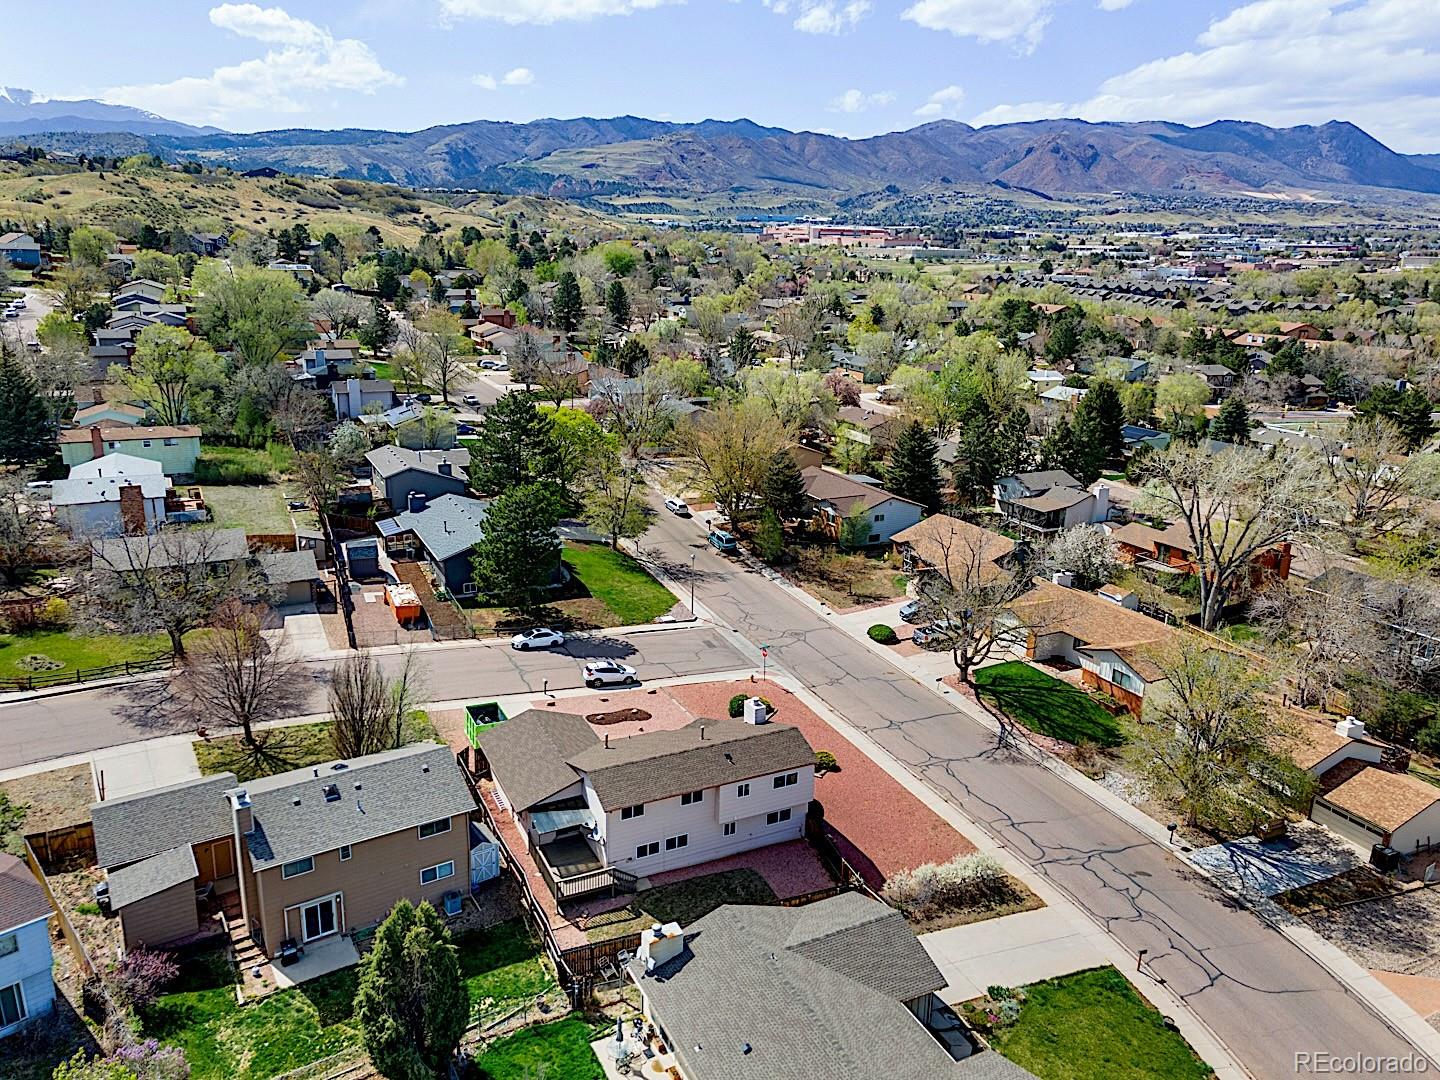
(597, 810)
(300, 858)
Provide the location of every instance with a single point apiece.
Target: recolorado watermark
(1322, 1063)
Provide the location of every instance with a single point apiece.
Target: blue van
(723, 542)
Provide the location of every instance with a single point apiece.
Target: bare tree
(372, 711)
(172, 582)
(1234, 505)
(235, 676)
(1377, 481)
(526, 358)
(1313, 634)
(318, 474)
(444, 347)
(797, 324)
(639, 412)
(25, 537)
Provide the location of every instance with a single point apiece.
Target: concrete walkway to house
(1014, 950)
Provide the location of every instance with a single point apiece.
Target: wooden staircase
(247, 949)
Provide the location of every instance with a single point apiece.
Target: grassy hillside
(218, 203)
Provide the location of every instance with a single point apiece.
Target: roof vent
(357, 785)
(295, 800)
(332, 793)
(424, 768)
(338, 766)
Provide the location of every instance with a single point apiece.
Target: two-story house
(1050, 501)
(175, 448)
(354, 397)
(303, 856)
(834, 497)
(396, 473)
(589, 805)
(27, 990)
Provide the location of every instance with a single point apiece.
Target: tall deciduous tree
(519, 551)
(730, 451)
(519, 443)
(411, 1002)
(613, 496)
(1375, 477)
(172, 372)
(913, 472)
(258, 314)
(444, 347)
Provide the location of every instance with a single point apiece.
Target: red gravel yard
(878, 825)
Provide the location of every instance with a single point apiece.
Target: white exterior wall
(1420, 832)
(703, 823)
(1355, 749)
(30, 967)
(1082, 513)
(1061, 645)
(1106, 663)
(898, 516)
(103, 518)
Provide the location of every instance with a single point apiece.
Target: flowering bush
(138, 979)
(964, 881)
(146, 1060)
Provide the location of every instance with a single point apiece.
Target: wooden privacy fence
(57, 848)
(71, 937)
(40, 680)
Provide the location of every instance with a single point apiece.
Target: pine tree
(770, 536)
(1232, 422)
(1067, 450)
(27, 431)
(520, 446)
(742, 349)
(411, 1003)
(1099, 418)
(380, 331)
(518, 550)
(568, 308)
(617, 304)
(784, 487)
(633, 357)
(913, 472)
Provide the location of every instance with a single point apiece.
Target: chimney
(1350, 728)
(659, 945)
(132, 510)
(240, 803)
(97, 442)
(755, 712)
(446, 469)
(1063, 578)
(99, 395)
(1102, 503)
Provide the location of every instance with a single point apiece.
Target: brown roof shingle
(952, 546)
(22, 899)
(1384, 798)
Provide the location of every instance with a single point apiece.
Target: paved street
(88, 720)
(1264, 997)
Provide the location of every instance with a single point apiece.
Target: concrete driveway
(128, 769)
(1011, 951)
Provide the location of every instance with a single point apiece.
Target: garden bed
(844, 580)
(1350, 887)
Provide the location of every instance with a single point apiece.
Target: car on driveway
(492, 365)
(934, 635)
(910, 611)
(609, 673)
(541, 637)
(471, 399)
(677, 507)
(723, 542)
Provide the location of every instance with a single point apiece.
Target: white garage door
(1352, 829)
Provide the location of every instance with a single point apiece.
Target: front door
(317, 920)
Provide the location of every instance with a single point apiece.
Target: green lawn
(242, 465)
(619, 582)
(682, 902)
(1047, 705)
(561, 1049)
(76, 650)
(223, 1041)
(503, 967)
(1429, 773)
(256, 508)
(1093, 1026)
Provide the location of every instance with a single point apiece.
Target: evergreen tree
(27, 431)
(379, 331)
(742, 349)
(1408, 410)
(1232, 422)
(520, 446)
(617, 304)
(913, 472)
(1072, 451)
(784, 491)
(1064, 339)
(633, 357)
(1099, 418)
(519, 551)
(568, 308)
(411, 1002)
(770, 536)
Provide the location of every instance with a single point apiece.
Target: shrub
(228, 470)
(882, 634)
(825, 761)
(737, 705)
(1429, 738)
(965, 881)
(38, 662)
(138, 979)
(56, 613)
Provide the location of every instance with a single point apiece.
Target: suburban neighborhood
(587, 599)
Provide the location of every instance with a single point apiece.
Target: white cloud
(826, 17)
(1371, 62)
(307, 60)
(1020, 21)
(943, 102)
(520, 76)
(484, 82)
(1114, 5)
(855, 101)
(544, 12)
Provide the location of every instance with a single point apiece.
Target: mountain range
(629, 155)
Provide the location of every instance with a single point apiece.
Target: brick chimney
(97, 443)
(132, 510)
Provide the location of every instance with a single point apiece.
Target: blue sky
(852, 67)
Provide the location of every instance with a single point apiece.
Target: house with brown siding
(304, 855)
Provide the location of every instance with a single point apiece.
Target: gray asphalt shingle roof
(388, 461)
(153, 875)
(156, 550)
(399, 789)
(528, 754)
(285, 567)
(137, 826)
(22, 899)
(447, 526)
(771, 992)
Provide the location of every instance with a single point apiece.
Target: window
(435, 828)
(432, 874)
(673, 842)
(12, 1005)
(9, 943)
(644, 851)
(298, 867)
(729, 828)
(775, 817)
(144, 442)
(877, 517)
(628, 812)
(742, 791)
(692, 797)
(1125, 680)
(172, 442)
(788, 779)
(344, 852)
(874, 538)
(468, 589)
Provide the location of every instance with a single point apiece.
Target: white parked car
(542, 637)
(677, 507)
(609, 673)
(492, 365)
